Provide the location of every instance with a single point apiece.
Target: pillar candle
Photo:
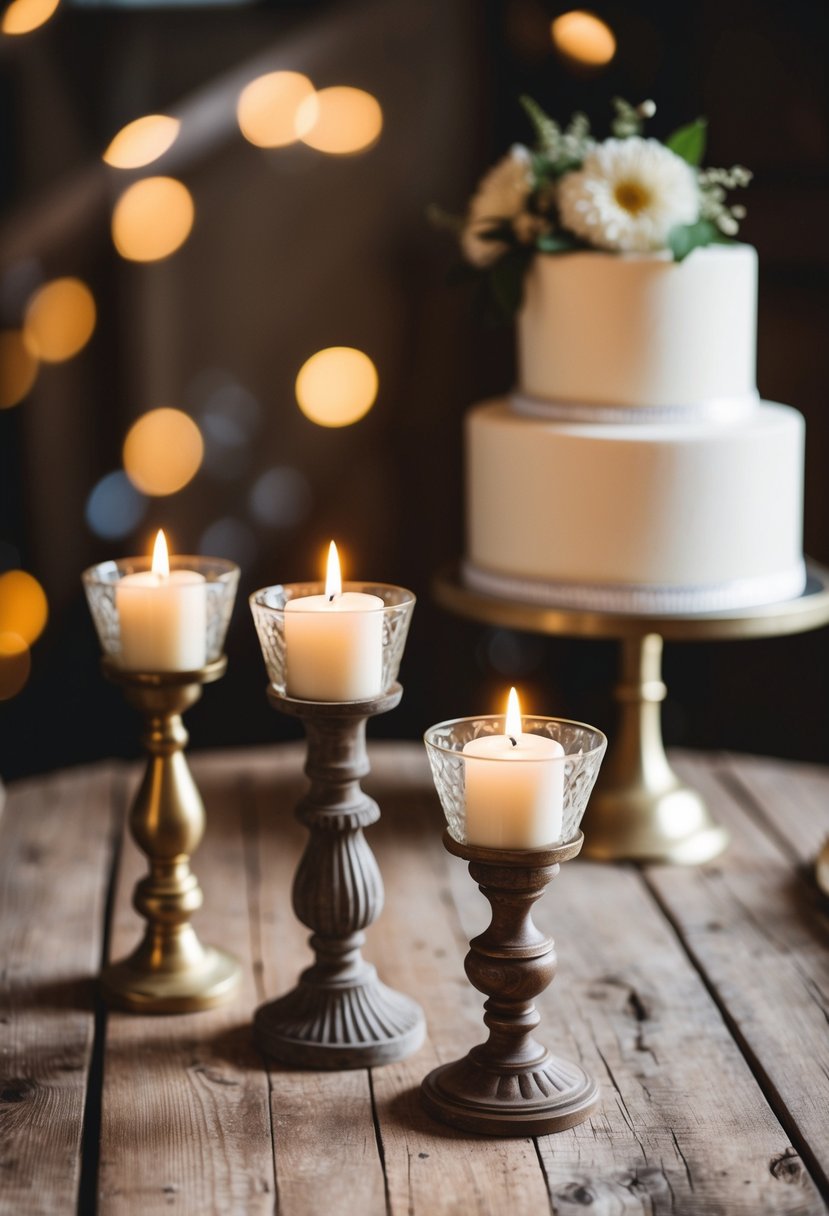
(162, 617)
(334, 642)
(514, 787)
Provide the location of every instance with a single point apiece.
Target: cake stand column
(640, 809)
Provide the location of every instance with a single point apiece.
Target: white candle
(514, 787)
(162, 617)
(334, 642)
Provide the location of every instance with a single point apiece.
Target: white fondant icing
(634, 330)
(715, 409)
(671, 504)
(642, 601)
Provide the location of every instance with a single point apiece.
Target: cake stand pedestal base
(640, 809)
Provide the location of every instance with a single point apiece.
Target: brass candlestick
(340, 1015)
(170, 971)
(511, 1085)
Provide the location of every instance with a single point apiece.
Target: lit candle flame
(513, 724)
(333, 578)
(161, 559)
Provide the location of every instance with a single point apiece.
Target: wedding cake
(634, 468)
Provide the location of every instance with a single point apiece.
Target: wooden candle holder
(511, 1085)
(340, 1015)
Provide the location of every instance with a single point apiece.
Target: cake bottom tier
(652, 518)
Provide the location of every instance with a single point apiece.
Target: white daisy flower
(628, 195)
(502, 195)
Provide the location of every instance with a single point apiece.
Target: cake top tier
(640, 330)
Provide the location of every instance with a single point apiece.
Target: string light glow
(340, 120)
(142, 141)
(23, 16)
(24, 609)
(162, 451)
(337, 386)
(18, 368)
(268, 109)
(59, 320)
(584, 38)
(152, 219)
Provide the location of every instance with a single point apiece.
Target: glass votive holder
(269, 604)
(583, 746)
(101, 584)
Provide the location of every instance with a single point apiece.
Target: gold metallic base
(214, 982)
(674, 826)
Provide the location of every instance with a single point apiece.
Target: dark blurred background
(296, 249)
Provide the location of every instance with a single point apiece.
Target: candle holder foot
(340, 1015)
(205, 982)
(511, 1085)
(170, 971)
(317, 1026)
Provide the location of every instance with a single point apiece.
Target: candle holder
(511, 1085)
(170, 971)
(340, 1014)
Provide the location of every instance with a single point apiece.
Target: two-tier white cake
(635, 468)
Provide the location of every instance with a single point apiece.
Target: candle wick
(513, 740)
(331, 599)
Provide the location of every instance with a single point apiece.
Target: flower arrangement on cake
(627, 194)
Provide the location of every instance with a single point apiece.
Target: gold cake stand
(640, 809)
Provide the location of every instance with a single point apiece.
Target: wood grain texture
(56, 847)
(759, 934)
(695, 996)
(185, 1123)
(326, 1152)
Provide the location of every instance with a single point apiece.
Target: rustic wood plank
(791, 800)
(758, 935)
(327, 1158)
(419, 947)
(684, 1126)
(56, 855)
(185, 1123)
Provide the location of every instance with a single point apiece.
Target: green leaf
(506, 283)
(683, 239)
(689, 141)
(547, 132)
(556, 242)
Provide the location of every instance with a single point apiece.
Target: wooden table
(699, 998)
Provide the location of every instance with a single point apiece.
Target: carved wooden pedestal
(340, 1015)
(511, 1085)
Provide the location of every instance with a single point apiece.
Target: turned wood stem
(512, 962)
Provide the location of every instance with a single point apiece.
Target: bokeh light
(23, 606)
(142, 141)
(15, 664)
(163, 451)
(152, 219)
(18, 368)
(114, 507)
(59, 320)
(337, 386)
(23, 16)
(340, 120)
(280, 498)
(583, 37)
(229, 538)
(268, 109)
